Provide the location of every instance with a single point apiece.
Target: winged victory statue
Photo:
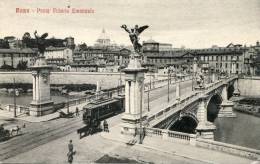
(134, 36)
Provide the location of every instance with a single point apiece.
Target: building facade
(58, 55)
(12, 57)
(233, 59)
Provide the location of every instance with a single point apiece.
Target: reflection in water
(243, 130)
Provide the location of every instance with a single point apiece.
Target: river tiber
(148, 88)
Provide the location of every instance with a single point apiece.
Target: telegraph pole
(14, 99)
(141, 104)
(148, 94)
(168, 87)
(68, 105)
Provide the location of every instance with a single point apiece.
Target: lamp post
(14, 98)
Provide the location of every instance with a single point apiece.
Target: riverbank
(247, 110)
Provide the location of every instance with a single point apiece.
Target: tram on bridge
(97, 111)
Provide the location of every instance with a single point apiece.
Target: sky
(189, 23)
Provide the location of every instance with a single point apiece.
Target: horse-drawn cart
(4, 133)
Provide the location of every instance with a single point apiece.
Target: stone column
(204, 129)
(226, 105)
(134, 100)
(41, 103)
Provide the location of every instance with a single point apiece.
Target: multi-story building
(12, 57)
(233, 59)
(58, 55)
(102, 58)
(161, 56)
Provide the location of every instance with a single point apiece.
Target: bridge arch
(186, 123)
(213, 106)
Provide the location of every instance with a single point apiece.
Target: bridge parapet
(229, 148)
(174, 107)
(164, 134)
(193, 140)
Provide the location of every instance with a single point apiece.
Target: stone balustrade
(19, 108)
(229, 148)
(170, 135)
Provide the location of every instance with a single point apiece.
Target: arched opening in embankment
(185, 124)
(213, 107)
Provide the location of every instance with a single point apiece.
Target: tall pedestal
(226, 109)
(41, 103)
(236, 91)
(134, 96)
(204, 129)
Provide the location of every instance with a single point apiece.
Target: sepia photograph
(129, 81)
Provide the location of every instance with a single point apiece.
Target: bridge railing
(182, 103)
(170, 135)
(229, 148)
(19, 108)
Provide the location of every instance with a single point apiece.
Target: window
(226, 65)
(217, 58)
(226, 58)
(237, 66)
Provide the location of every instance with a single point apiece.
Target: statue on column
(41, 41)
(134, 36)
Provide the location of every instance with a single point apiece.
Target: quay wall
(106, 79)
(249, 86)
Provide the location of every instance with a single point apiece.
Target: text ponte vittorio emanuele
(55, 10)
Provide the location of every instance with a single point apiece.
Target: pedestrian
(70, 146)
(77, 111)
(71, 153)
(24, 125)
(105, 125)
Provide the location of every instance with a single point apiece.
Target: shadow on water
(109, 159)
(243, 130)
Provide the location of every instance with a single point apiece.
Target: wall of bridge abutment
(226, 109)
(196, 140)
(249, 86)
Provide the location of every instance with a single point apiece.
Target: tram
(97, 111)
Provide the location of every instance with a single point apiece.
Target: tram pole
(14, 99)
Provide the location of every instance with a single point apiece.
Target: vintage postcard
(130, 81)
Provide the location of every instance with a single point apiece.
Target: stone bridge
(197, 107)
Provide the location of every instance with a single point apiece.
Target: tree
(83, 46)
(4, 44)
(22, 65)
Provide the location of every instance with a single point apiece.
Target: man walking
(71, 153)
(77, 111)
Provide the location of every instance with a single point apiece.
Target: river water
(243, 130)
(25, 99)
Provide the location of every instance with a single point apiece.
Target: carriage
(97, 111)
(4, 134)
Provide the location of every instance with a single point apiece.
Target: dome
(103, 36)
